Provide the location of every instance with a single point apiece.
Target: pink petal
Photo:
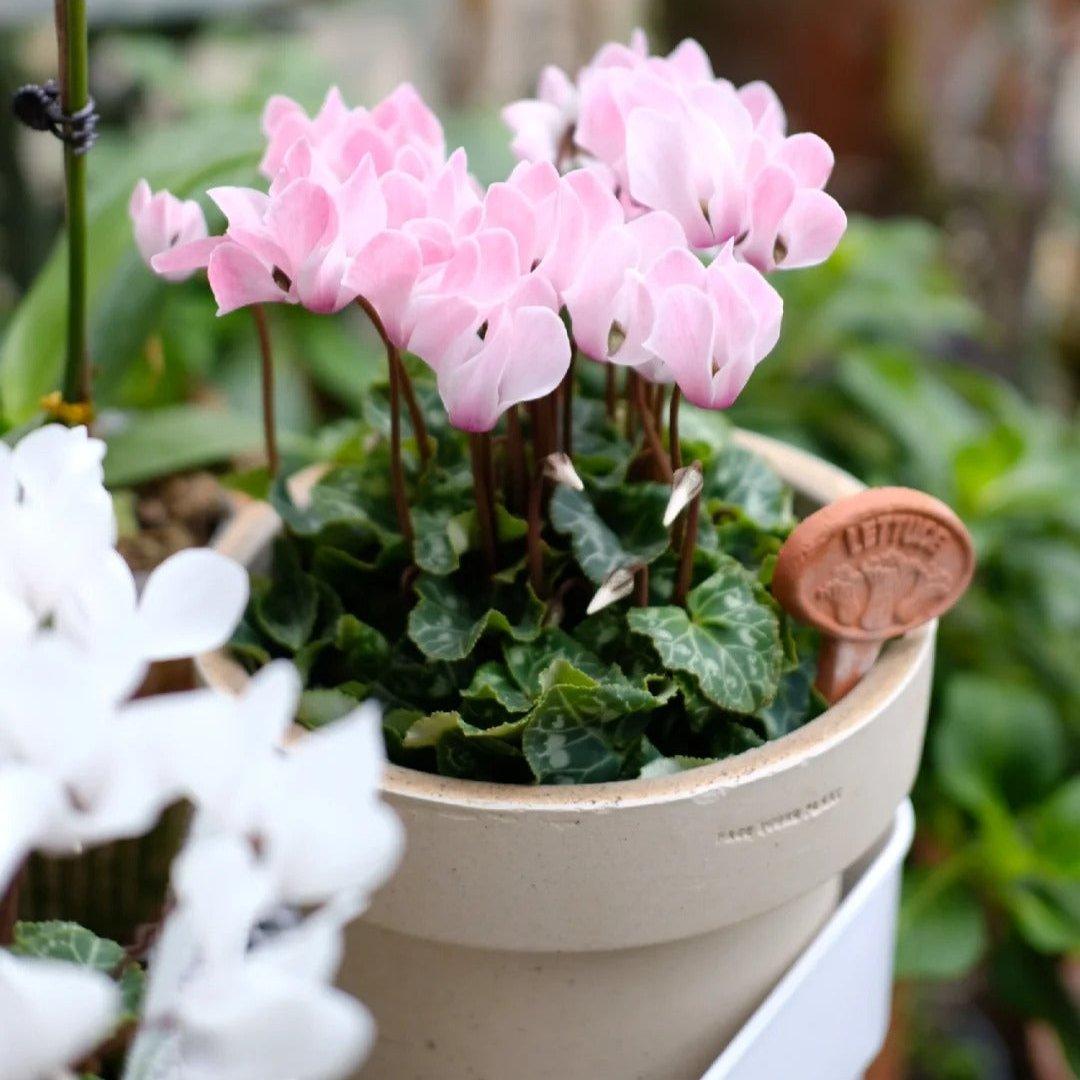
(302, 218)
(361, 206)
(276, 109)
(770, 200)
(591, 299)
(470, 390)
(444, 330)
(765, 109)
(367, 141)
(332, 112)
(554, 86)
(385, 273)
(506, 208)
(537, 128)
(405, 198)
(244, 208)
(238, 278)
(319, 281)
(655, 233)
(809, 157)
(140, 199)
(691, 61)
(811, 229)
(683, 337)
(676, 267)
(498, 270)
(539, 357)
(182, 261)
(659, 166)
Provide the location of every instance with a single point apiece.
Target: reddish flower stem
(688, 546)
(673, 427)
(532, 539)
(479, 456)
(516, 479)
(610, 391)
(630, 390)
(416, 414)
(641, 586)
(397, 470)
(262, 328)
(652, 435)
(568, 410)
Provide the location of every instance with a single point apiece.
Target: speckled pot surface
(620, 930)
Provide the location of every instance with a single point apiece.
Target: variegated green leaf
(609, 529)
(446, 625)
(738, 478)
(727, 638)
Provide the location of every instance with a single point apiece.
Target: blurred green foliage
(869, 374)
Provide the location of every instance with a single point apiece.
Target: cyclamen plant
(474, 578)
(282, 849)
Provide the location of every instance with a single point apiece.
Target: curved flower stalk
(673, 137)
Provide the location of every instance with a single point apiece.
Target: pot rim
(255, 523)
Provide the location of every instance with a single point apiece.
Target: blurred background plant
(939, 348)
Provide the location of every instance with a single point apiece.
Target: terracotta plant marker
(869, 568)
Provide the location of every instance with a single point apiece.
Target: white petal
(51, 1013)
(191, 603)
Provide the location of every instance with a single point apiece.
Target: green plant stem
(652, 434)
(479, 455)
(674, 445)
(687, 547)
(71, 36)
(262, 329)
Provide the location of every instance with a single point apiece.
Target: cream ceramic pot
(621, 930)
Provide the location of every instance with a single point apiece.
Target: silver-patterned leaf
(727, 638)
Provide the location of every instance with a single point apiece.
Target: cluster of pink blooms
(629, 176)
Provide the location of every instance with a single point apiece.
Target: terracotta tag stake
(869, 568)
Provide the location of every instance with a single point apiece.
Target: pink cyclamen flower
(712, 326)
(673, 137)
(162, 222)
(610, 306)
(400, 132)
(543, 126)
(490, 332)
(484, 365)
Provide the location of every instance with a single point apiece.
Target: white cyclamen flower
(221, 1008)
(51, 1013)
(59, 570)
(313, 811)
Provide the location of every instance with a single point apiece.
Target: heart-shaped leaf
(727, 638)
(446, 624)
